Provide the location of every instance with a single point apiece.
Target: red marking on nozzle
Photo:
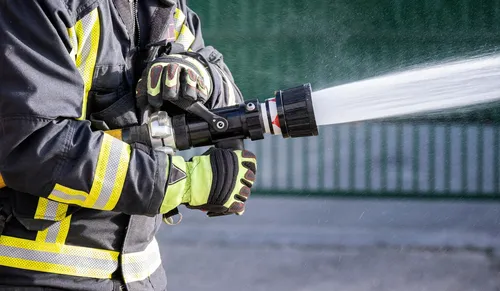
(276, 121)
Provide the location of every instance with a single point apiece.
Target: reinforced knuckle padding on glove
(178, 78)
(248, 154)
(245, 192)
(224, 168)
(237, 207)
(250, 176)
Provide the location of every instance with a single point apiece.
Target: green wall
(274, 44)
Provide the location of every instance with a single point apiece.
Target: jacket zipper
(136, 20)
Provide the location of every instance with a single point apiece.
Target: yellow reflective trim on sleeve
(121, 174)
(185, 37)
(140, 265)
(179, 19)
(183, 34)
(67, 195)
(63, 230)
(100, 172)
(109, 178)
(88, 33)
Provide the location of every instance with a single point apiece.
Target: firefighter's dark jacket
(85, 204)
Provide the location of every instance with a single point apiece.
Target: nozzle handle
(218, 123)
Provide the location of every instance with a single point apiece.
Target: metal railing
(408, 160)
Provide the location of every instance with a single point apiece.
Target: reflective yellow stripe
(112, 167)
(57, 232)
(42, 235)
(77, 261)
(87, 34)
(100, 174)
(139, 266)
(63, 230)
(67, 195)
(41, 208)
(9, 241)
(54, 268)
(109, 178)
(57, 258)
(50, 210)
(183, 34)
(122, 169)
(186, 37)
(179, 19)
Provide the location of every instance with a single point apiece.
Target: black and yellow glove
(218, 182)
(180, 79)
(183, 78)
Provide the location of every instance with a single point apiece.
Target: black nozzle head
(296, 112)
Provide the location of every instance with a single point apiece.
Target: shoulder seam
(82, 8)
(65, 2)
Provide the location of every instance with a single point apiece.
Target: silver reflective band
(112, 168)
(75, 261)
(68, 197)
(57, 258)
(140, 265)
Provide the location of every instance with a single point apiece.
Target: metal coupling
(161, 130)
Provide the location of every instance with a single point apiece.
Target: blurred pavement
(337, 244)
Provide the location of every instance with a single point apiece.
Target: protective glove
(218, 182)
(180, 79)
(214, 82)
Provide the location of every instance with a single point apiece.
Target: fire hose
(289, 113)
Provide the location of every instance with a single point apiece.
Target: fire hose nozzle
(295, 112)
(290, 114)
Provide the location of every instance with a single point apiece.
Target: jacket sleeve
(226, 92)
(46, 148)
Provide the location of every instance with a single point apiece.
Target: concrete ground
(337, 244)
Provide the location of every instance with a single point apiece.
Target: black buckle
(5, 216)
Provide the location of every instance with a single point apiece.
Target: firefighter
(80, 207)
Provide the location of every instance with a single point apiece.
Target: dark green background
(275, 44)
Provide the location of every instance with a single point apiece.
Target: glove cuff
(176, 191)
